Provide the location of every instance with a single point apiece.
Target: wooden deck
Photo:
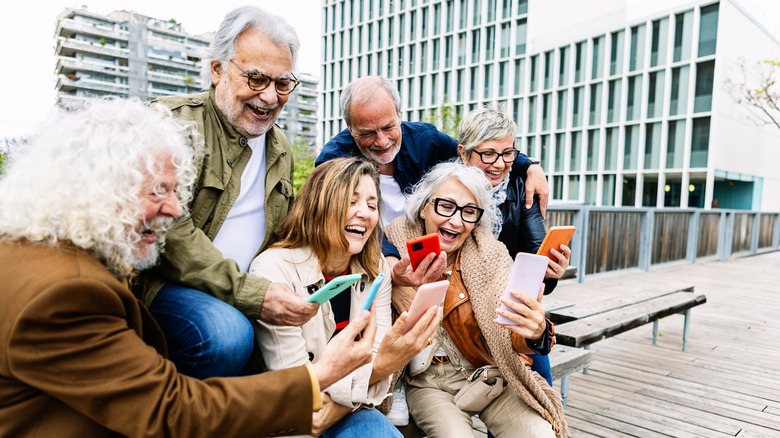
(726, 384)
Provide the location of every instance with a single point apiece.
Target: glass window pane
(678, 103)
(473, 84)
(517, 112)
(592, 159)
(608, 191)
(544, 153)
(506, 35)
(683, 29)
(532, 114)
(598, 58)
(546, 109)
(519, 75)
(574, 188)
(561, 113)
(475, 35)
(655, 95)
(560, 148)
(631, 148)
(616, 53)
(634, 97)
(578, 106)
(611, 149)
(705, 73)
(563, 67)
(557, 187)
(575, 152)
(595, 104)
(613, 100)
(700, 141)
(652, 145)
(461, 48)
(502, 79)
(579, 62)
(488, 90)
(548, 67)
(708, 30)
(534, 72)
(659, 42)
(675, 144)
(590, 190)
(522, 7)
(490, 42)
(520, 35)
(629, 190)
(650, 193)
(637, 57)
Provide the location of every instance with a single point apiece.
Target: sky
(27, 44)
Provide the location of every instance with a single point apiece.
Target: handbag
(483, 386)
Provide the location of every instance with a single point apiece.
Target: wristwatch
(530, 162)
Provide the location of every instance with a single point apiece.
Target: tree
(304, 156)
(757, 92)
(445, 117)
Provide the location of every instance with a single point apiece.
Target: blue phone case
(333, 288)
(372, 292)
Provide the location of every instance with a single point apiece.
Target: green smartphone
(333, 288)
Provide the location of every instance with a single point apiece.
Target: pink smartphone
(526, 277)
(428, 295)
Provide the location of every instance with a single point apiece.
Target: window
(608, 191)
(506, 34)
(579, 62)
(461, 48)
(650, 193)
(652, 145)
(678, 101)
(490, 43)
(629, 190)
(546, 109)
(631, 147)
(675, 144)
(517, 112)
(519, 75)
(659, 42)
(463, 15)
(459, 87)
(575, 152)
(683, 28)
(611, 149)
(702, 100)
(491, 11)
(637, 56)
(450, 15)
(560, 148)
(413, 25)
(534, 64)
(655, 94)
(531, 114)
(561, 113)
(502, 79)
(613, 101)
(634, 97)
(598, 55)
(448, 52)
(424, 22)
(700, 142)
(488, 89)
(506, 8)
(590, 190)
(595, 104)
(544, 153)
(475, 45)
(708, 30)
(520, 37)
(592, 158)
(574, 188)
(548, 68)
(578, 100)
(473, 89)
(522, 7)
(563, 67)
(435, 49)
(616, 55)
(477, 12)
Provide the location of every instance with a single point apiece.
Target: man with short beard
(82, 208)
(201, 293)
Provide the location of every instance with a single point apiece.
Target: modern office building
(124, 54)
(624, 101)
(299, 117)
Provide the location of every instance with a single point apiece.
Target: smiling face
(362, 215)
(452, 231)
(376, 127)
(497, 171)
(251, 112)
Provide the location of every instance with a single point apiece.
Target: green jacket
(190, 258)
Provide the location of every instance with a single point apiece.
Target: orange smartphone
(556, 236)
(419, 247)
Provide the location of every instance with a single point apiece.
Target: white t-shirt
(241, 235)
(393, 199)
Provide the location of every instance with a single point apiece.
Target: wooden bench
(583, 324)
(565, 361)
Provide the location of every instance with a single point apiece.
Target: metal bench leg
(655, 331)
(564, 390)
(584, 370)
(686, 327)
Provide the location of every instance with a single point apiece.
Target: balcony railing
(611, 239)
(78, 64)
(94, 29)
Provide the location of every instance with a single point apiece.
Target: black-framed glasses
(260, 81)
(490, 157)
(446, 208)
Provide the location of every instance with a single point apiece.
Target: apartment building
(124, 54)
(299, 117)
(622, 100)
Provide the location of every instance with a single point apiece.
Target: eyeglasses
(490, 157)
(446, 208)
(260, 81)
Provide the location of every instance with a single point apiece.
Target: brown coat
(81, 357)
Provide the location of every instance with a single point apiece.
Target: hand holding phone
(419, 247)
(526, 277)
(428, 295)
(555, 237)
(333, 288)
(372, 292)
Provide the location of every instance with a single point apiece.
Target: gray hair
(363, 90)
(223, 48)
(81, 179)
(471, 177)
(485, 124)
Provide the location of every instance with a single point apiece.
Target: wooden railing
(612, 239)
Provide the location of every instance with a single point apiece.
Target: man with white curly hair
(83, 207)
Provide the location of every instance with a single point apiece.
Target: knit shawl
(485, 267)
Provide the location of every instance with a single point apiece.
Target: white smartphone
(526, 277)
(428, 295)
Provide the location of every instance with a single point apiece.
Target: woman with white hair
(453, 201)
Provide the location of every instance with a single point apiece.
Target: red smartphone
(556, 236)
(419, 247)
(428, 295)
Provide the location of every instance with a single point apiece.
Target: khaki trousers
(430, 397)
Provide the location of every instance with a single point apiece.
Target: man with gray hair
(82, 207)
(201, 293)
